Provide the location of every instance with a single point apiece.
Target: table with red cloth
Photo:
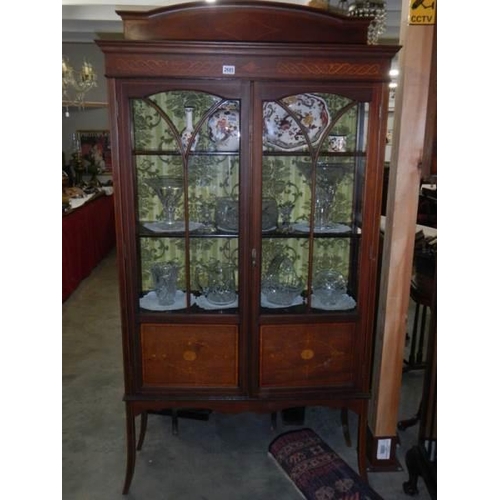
(88, 235)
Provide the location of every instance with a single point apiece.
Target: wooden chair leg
(274, 420)
(175, 422)
(344, 418)
(420, 352)
(362, 427)
(411, 359)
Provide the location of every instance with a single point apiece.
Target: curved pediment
(244, 21)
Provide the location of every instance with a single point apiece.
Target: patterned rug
(316, 470)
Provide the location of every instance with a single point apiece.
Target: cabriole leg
(130, 448)
(142, 432)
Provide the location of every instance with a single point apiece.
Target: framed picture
(95, 149)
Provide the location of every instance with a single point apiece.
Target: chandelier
(375, 9)
(75, 84)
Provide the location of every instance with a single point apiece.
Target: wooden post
(410, 117)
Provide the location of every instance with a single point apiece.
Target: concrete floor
(224, 458)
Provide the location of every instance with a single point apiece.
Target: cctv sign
(422, 12)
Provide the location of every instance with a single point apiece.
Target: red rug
(316, 470)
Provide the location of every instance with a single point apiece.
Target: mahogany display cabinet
(248, 140)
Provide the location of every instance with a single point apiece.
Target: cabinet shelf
(290, 154)
(268, 315)
(177, 153)
(305, 154)
(194, 315)
(147, 233)
(144, 233)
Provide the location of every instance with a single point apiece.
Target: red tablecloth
(88, 235)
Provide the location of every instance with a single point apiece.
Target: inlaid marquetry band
(166, 66)
(306, 68)
(213, 67)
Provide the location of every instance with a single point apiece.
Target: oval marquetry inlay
(307, 354)
(189, 355)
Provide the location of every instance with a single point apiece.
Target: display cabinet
(249, 143)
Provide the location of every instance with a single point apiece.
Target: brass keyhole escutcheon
(307, 354)
(189, 355)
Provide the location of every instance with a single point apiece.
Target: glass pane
(214, 276)
(314, 148)
(186, 157)
(282, 189)
(327, 196)
(284, 272)
(160, 120)
(160, 190)
(333, 278)
(162, 278)
(212, 187)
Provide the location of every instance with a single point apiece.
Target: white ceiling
(87, 20)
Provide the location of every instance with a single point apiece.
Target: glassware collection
(298, 189)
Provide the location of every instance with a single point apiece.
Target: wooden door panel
(189, 356)
(307, 355)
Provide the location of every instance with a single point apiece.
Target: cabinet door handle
(254, 257)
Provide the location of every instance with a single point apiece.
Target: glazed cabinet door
(185, 168)
(310, 173)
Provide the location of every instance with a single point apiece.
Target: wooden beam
(410, 118)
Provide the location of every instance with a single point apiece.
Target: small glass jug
(164, 276)
(217, 282)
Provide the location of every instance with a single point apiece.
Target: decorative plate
(224, 128)
(281, 129)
